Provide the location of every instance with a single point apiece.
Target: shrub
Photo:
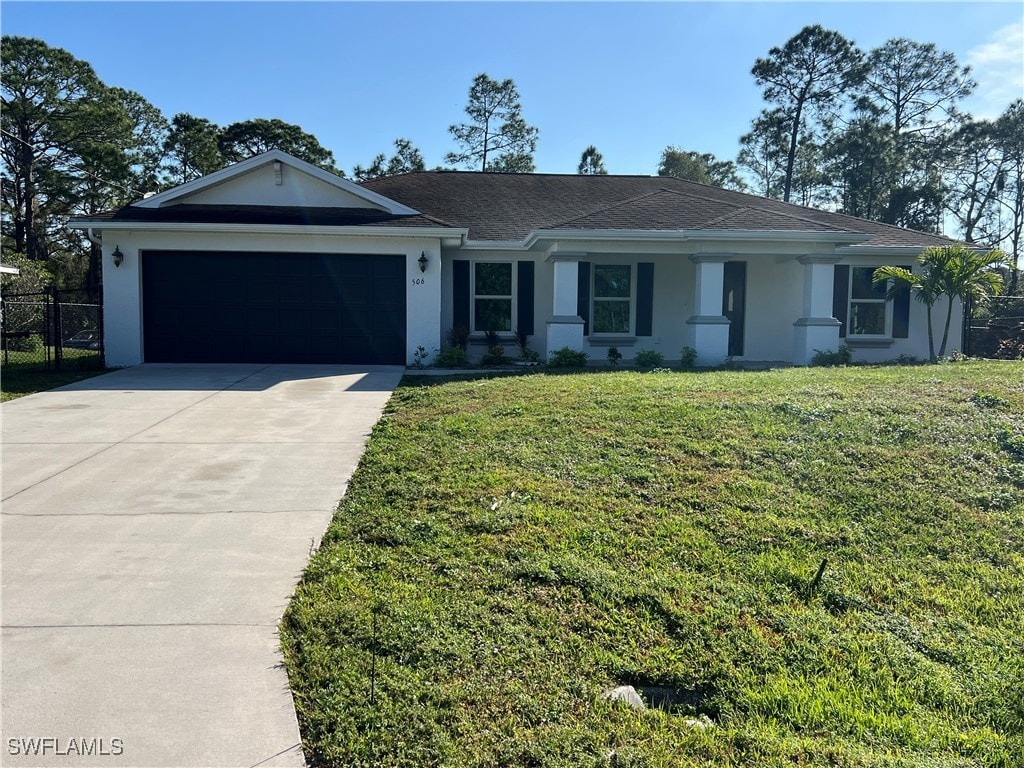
(458, 336)
(1012, 348)
(830, 359)
(905, 359)
(32, 343)
(453, 357)
(687, 358)
(649, 358)
(567, 358)
(614, 355)
(419, 357)
(523, 342)
(495, 355)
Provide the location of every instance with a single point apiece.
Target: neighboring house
(275, 260)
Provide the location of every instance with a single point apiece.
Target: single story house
(275, 260)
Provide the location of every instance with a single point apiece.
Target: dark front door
(734, 299)
(233, 307)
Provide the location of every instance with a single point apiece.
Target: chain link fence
(995, 329)
(52, 330)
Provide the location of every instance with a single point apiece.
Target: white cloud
(998, 66)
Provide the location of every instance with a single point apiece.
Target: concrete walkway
(155, 521)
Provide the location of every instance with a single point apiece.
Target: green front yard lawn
(20, 379)
(511, 548)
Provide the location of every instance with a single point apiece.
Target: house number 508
(419, 281)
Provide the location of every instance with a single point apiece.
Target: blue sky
(629, 78)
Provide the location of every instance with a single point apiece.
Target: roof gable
(275, 179)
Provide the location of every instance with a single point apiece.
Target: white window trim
(887, 334)
(473, 296)
(631, 331)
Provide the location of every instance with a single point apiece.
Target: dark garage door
(228, 307)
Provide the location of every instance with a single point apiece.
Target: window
(492, 297)
(868, 308)
(613, 295)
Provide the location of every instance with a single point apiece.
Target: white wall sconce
(423, 261)
(117, 256)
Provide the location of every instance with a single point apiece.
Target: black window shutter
(644, 298)
(460, 293)
(901, 313)
(583, 296)
(841, 297)
(525, 298)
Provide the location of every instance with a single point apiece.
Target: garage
(257, 307)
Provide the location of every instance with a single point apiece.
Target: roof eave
(267, 229)
(494, 245)
(891, 250)
(680, 235)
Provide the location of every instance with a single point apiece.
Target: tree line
(878, 135)
(872, 134)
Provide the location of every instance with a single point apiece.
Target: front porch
(748, 308)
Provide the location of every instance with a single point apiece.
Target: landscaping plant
(950, 271)
(687, 358)
(567, 358)
(649, 358)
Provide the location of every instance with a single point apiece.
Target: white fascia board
(892, 250)
(257, 161)
(779, 236)
(680, 235)
(494, 245)
(539, 235)
(267, 229)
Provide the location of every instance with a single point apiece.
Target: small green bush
(829, 359)
(419, 357)
(458, 336)
(614, 356)
(452, 357)
(905, 359)
(567, 358)
(495, 355)
(649, 358)
(523, 342)
(687, 358)
(1012, 347)
(32, 343)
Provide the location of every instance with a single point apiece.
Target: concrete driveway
(155, 521)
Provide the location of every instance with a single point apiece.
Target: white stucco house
(275, 260)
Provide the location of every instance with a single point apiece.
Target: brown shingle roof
(673, 210)
(498, 206)
(662, 209)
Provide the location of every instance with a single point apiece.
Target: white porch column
(816, 329)
(565, 327)
(709, 328)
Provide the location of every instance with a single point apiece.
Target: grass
(18, 379)
(510, 548)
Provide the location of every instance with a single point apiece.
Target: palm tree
(953, 271)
